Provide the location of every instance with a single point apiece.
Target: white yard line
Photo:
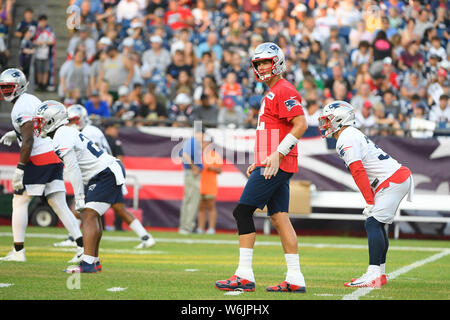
(355, 295)
(230, 242)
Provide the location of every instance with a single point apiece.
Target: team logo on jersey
(270, 96)
(291, 102)
(92, 187)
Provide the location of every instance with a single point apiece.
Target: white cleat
(13, 255)
(367, 280)
(65, 243)
(150, 242)
(78, 256)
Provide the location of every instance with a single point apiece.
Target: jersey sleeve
(348, 150)
(64, 141)
(289, 103)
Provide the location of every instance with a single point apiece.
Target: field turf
(185, 267)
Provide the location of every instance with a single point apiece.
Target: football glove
(367, 210)
(17, 180)
(8, 138)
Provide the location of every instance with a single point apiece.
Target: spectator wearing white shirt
(156, 58)
(440, 113)
(127, 10)
(365, 119)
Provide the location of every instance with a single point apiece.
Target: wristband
(287, 144)
(20, 166)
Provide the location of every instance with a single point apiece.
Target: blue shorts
(273, 192)
(42, 180)
(103, 188)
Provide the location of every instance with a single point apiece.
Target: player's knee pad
(243, 214)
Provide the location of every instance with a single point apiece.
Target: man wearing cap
(181, 111)
(124, 108)
(191, 155)
(82, 37)
(155, 58)
(365, 120)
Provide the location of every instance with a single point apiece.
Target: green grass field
(186, 268)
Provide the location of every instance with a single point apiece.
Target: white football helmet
(268, 51)
(78, 116)
(334, 116)
(12, 84)
(50, 115)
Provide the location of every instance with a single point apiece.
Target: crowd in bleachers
(169, 62)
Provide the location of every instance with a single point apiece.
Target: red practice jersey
(279, 106)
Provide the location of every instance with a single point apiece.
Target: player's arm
(73, 174)
(26, 131)
(299, 127)
(361, 178)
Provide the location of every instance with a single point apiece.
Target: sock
(20, 217)
(18, 247)
(96, 259)
(244, 269)
(137, 227)
(383, 268)
(88, 259)
(374, 269)
(78, 221)
(58, 203)
(79, 242)
(71, 238)
(294, 275)
(376, 240)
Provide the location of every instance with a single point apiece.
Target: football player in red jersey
(281, 123)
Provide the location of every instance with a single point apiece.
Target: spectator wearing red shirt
(178, 17)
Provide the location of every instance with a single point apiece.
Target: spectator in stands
(126, 11)
(212, 166)
(206, 112)
(230, 115)
(386, 124)
(358, 34)
(74, 76)
(28, 23)
(440, 113)
(96, 66)
(183, 84)
(117, 70)
(410, 56)
(231, 88)
(361, 55)
(422, 23)
(363, 94)
(437, 49)
(151, 111)
(43, 39)
(418, 125)
(26, 51)
(210, 45)
(312, 112)
(156, 59)
(334, 38)
(182, 111)
(178, 63)
(365, 120)
(124, 108)
(413, 84)
(391, 104)
(236, 66)
(95, 106)
(82, 37)
(381, 47)
(207, 66)
(178, 17)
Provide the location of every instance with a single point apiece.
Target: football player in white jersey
(382, 181)
(97, 178)
(39, 171)
(79, 119)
